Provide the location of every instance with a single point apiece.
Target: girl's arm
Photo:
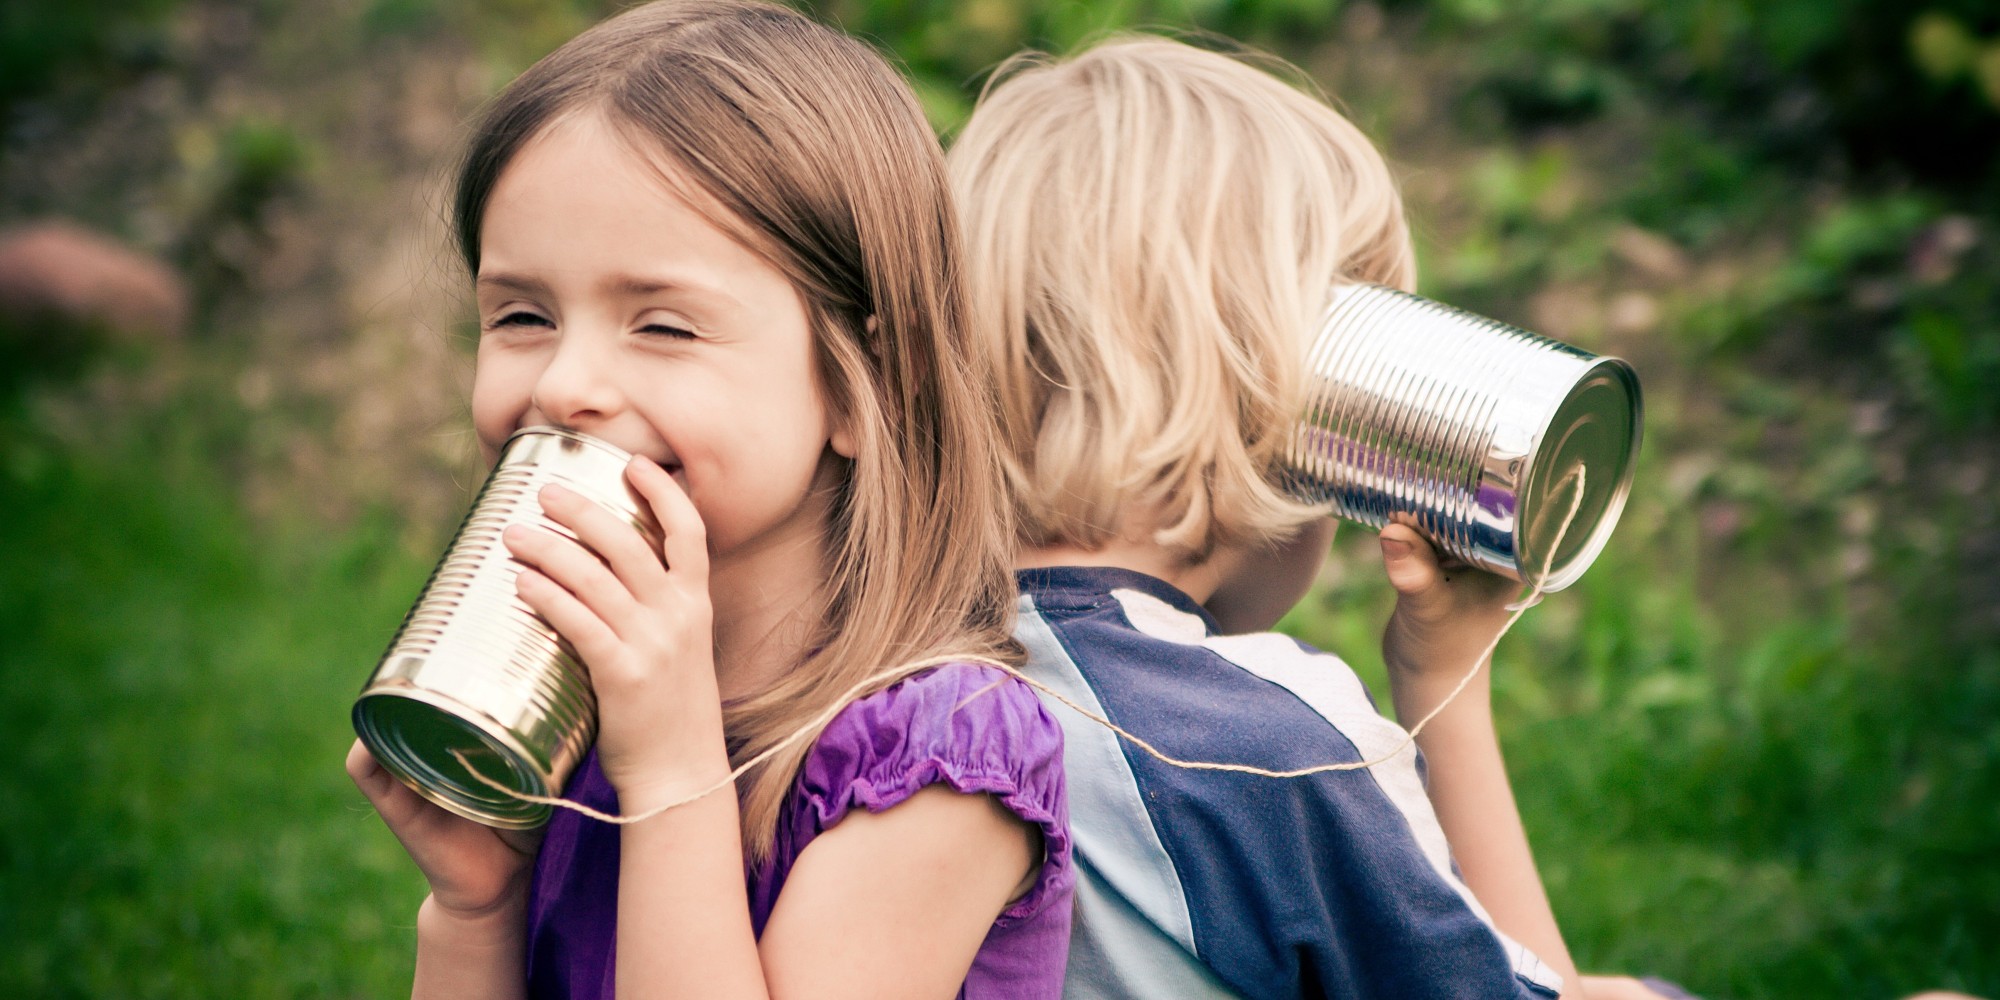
(470, 929)
(1444, 620)
(891, 904)
(478, 955)
(880, 905)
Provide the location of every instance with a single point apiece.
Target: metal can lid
(1591, 442)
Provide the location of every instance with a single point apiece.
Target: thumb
(1408, 559)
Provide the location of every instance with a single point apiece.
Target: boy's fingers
(525, 842)
(362, 767)
(401, 809)
(1409, 560)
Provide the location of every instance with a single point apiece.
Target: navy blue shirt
(1195, 883)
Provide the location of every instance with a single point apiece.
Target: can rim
(552, 430)
(1561, 575)
(395, 756)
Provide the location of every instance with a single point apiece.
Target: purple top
(966, 725)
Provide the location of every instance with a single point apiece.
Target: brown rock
(1652, 255)
(56, 270)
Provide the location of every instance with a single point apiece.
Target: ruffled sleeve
(965, 725)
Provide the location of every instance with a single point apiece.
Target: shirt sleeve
(968, 726)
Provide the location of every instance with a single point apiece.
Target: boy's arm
(1444, 620)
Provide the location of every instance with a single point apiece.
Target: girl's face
(608, 304)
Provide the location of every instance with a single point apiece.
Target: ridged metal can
(473, 669)
(1479, 432)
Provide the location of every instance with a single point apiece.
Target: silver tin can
(473, 670)
(1479, 432)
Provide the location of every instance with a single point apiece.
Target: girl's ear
(842, 438)
(872, 326)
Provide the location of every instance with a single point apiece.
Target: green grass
(1756, 798)
(176, 685)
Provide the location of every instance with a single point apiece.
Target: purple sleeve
(966, 725)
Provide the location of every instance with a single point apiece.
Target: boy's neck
(1197, 580)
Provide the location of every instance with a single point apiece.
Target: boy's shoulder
(1150, 647)
(1269, 882)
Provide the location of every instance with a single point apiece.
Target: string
(1518, 608)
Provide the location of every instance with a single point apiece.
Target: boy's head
(1151, 227)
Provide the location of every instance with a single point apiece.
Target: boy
(1151, 230)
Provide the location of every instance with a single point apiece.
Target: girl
(719, 235)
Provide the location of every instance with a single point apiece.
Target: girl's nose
(578, 389)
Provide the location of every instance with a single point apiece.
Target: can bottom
(413, 738)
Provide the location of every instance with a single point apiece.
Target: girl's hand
(642, 622)
(475, 872)
(1446, 611)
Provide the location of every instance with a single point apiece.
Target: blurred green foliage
(1756, 746)
(97, 45)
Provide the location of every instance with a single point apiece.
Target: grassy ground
(1756, 746)
(175, 687)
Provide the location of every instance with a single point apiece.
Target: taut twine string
(1519, 608)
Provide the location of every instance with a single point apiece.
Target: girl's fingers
(612, 538)
(574, 568)
(404, 812)
(524, 842)
(686, 547)
(368, 775)
(592, 639)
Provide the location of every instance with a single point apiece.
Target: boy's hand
(1446, 614)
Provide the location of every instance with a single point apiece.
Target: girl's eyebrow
(630, 285)
(512, 283)
(639, 286)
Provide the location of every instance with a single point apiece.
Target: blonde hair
(806, 147)
(1150, 228)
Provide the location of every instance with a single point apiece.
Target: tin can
(1481, 433)
(473, 671)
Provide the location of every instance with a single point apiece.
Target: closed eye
(667, 330)
(518, 318)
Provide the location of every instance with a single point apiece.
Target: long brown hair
(805, 146)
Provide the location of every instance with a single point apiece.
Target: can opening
(414, 740)
(1596, 428)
